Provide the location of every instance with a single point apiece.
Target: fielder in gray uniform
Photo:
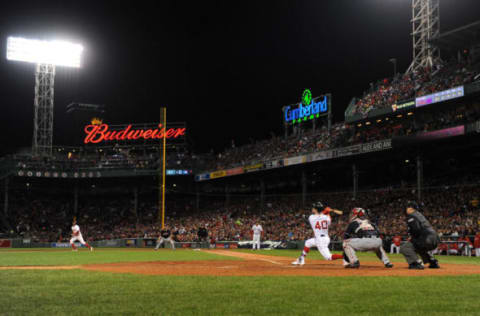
(165, 236)
(362, 235)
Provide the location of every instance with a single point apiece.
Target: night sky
(226, 68)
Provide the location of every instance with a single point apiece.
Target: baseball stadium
(224, 158)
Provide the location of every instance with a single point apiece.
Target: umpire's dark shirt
(418, 226)
(165, 233)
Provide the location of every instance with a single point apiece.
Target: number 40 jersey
(320, 224)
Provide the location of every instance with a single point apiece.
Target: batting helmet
(318, 205)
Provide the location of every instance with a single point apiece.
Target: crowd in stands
(402, 87)
(453, 211)
(341, 135)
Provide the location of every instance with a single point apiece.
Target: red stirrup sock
(88, 246)
(73, 246)
(336, 257)
(305, 251)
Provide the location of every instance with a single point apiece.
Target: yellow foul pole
(163, 118)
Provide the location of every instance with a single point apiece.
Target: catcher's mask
(413, 204)
(358, 212)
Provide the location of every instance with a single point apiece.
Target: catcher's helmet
(318, 205)
(358, 212)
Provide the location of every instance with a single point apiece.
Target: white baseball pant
(78, 238)
(322, 245)
(256, 242)
(394, 248)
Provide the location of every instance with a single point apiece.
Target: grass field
(80, 292)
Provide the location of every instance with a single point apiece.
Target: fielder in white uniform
(257, 233)
(77, 236)
(319, 221)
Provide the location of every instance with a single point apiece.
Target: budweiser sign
(97, 133)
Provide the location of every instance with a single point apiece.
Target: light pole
(46, 55)
(394, 62)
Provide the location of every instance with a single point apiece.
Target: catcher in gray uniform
(362, 235)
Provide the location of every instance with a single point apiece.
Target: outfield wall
(148, 243)
(466, 248)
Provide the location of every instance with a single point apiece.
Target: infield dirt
(258, 265)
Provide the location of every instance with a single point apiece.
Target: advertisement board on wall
(403, 105)
(131, 242)
(347, 151)
(202, 177)
(254, 167)
(65, 245)
(274, 164)
(5, 243)
(234, 171)
(178, 172)
(443, 133)
(218, 174)
(294, 160)
(445, 95)
(376, 146)
(322, 155)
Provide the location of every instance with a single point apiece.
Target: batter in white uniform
(319, 221)
(257, 233)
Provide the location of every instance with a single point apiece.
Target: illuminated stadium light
(359, 124)
(368, 123)
(46, 55)
(58, 53)
(410, 113)
(379, 121)
(399, 115)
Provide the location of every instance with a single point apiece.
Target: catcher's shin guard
(349, 252)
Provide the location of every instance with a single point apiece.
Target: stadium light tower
(46, 55)
(425, 26)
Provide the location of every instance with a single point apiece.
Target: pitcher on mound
(319, 221)
(77, 235)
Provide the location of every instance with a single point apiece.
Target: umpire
(423, 239)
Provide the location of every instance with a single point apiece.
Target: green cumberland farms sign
(308, 109)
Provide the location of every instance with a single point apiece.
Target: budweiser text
(101, 133)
